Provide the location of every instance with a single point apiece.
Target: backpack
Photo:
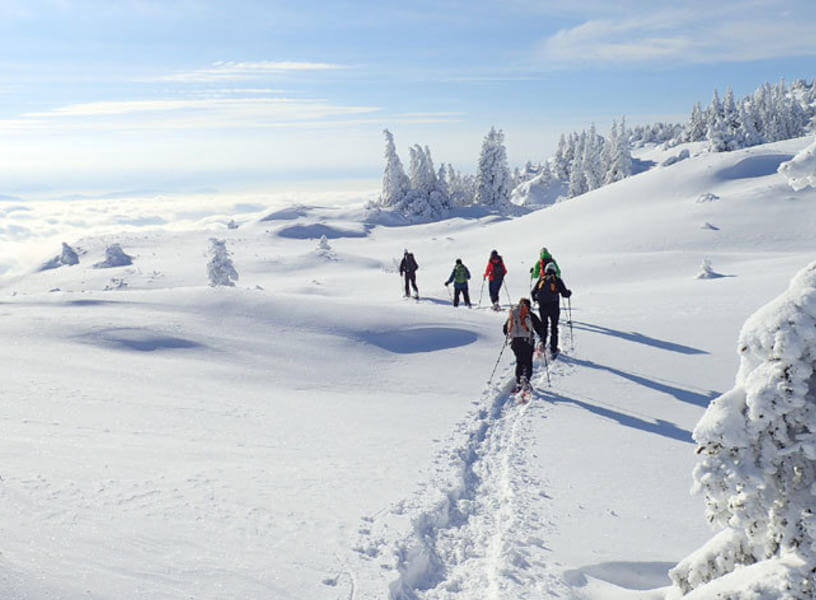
(410, 262)
(460, 274)
(519, 323)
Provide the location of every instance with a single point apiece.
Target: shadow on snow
(634, 336)
(421, 339)
(681, 394)
(659, 427)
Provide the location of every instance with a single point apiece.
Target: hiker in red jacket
(495, 271)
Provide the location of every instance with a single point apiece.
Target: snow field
(302, 435)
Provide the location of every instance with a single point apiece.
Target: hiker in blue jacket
(459, 276)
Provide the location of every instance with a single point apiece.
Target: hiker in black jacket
(547, 292)
(408, 268)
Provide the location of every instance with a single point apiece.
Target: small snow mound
(684, 154)
(707, 197)
(800, 171)
(114, 257)
(541, 190)
(232, 224)
(707, 272)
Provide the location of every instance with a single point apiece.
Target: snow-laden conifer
(757, 466)
(493, 175)
(395, 183)
(220, 269)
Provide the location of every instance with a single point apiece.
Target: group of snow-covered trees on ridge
(770, 114)
(585, 161)
(427, 193)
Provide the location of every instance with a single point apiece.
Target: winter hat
(494, 253)
(458, 261)
(550, 268)
(406, 251)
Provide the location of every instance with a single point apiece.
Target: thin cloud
(236, 71)
(726, 33)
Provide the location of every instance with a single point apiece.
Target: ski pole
(546, 366)
(481, 293)
(569, 320)
(447, 287)
(509, 300)
(498, 360)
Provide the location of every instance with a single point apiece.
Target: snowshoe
(525, 391)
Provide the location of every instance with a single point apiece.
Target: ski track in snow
(484, 535)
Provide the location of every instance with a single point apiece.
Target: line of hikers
(522, 324)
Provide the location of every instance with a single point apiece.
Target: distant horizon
(104, 97)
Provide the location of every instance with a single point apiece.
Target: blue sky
(142, 94)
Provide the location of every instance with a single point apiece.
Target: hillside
(310, 434)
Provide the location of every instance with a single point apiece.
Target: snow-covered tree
(220, 269)
(461, 188)
(696, 127)
(395, 183)
(757, 467)
(561, 162)
(620, 162)
(493, 176)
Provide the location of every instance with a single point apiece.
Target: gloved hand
(447, 283)
(568, 294)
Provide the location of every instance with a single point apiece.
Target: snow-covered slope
(310, 434)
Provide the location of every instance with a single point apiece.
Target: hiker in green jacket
(544, 259)
(459, 276)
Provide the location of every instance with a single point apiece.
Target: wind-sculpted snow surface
(801, 169)
(758, 465)
(482, 535)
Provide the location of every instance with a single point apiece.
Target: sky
(99, 96)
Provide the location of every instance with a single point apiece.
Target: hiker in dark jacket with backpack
(495, 271)
(459, 276)
(520, 328)
(408, 268)
(547, 292)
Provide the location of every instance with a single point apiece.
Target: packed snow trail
(484, 538)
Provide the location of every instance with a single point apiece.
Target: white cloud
(726, 32)
(189, 113)
(232, 71)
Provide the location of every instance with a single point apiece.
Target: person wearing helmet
(544, 259)
(495, 271)
(547, 292)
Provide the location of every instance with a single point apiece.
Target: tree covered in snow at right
(757, 467)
